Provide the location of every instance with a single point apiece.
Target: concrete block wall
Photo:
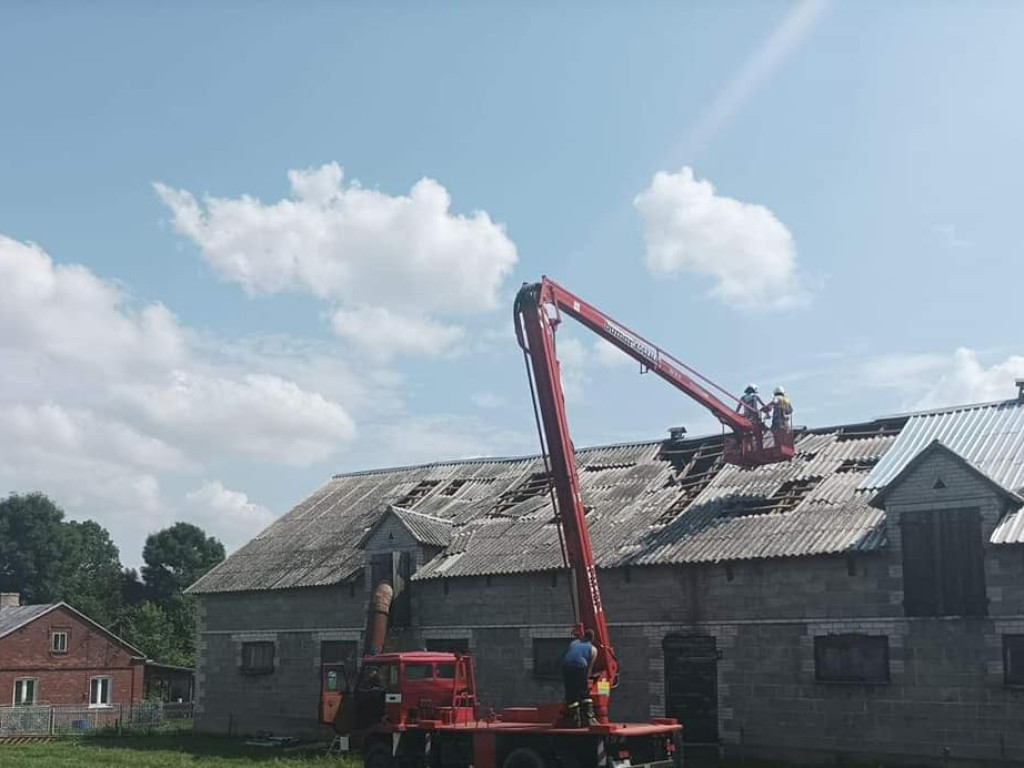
(946, 690)
(296, 621)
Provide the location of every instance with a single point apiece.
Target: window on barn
(25, 692)
(258, 657)
(547, 657)
(851, 658)
(100, 692)
(59, 642)
(943, 563)
(1013, 659)
(448, 645)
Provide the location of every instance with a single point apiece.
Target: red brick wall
(63, 678)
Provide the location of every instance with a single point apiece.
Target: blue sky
(849, 229)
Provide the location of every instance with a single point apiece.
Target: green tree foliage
(30, 547)
(154, 630)
(176, 557)
(47, 559)
(91, 571)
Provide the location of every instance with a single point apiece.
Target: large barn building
(864, 599)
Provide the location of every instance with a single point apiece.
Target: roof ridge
(407, 510)
(501, 459)
(954, 408)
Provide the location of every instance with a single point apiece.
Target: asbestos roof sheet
(648, 503)
(426, 529)
(18, 616)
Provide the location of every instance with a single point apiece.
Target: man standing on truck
(577, 663)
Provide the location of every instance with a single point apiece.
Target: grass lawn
(158, 751)
(187, 750)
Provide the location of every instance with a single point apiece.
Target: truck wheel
(378, 756)
(522, 757)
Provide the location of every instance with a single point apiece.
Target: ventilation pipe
(377, 618)
(1020, 390)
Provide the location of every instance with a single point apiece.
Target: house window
(99, 692)
(448, 645)
(59, 642)
(943, 563)
(258, 657)
(1013, 659)
(25, 692)
(851, 659)
(547, 657)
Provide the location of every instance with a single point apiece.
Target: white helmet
(751, 388)
(779, 390)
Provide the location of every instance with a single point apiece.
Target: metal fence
(46, 720)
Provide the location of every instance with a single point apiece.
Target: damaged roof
(650, 503)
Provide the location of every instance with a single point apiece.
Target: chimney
(1020, 390)
(676, 434)
(10, 599)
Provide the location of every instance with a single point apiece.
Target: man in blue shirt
(577, 663)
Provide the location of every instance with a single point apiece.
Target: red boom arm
(537, 309)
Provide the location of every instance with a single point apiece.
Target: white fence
(45, 720)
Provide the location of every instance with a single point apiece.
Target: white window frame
(35, 691)
(110, 691)
(60, 633)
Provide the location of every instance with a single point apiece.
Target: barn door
(691, 685)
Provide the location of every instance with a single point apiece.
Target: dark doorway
(396, 569)
(691, 685)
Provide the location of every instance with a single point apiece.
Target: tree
(149, 628)
(91, 571)
(176, 557)
(30, 547)
(133, 591)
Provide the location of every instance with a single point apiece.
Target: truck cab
(398, 689)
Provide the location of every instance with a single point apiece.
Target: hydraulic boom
(537, 312)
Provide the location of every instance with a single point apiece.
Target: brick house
(53, 654)
(865, 599)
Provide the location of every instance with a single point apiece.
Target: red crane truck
(420, 709)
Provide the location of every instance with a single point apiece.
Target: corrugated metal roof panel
(991, 437)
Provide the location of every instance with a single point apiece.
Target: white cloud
(607, 355)
(344, 243)
(51, 428)
(748, 253)
(417, 439)
(66, 313)
(965, 380)
(258, 415)
(488, 400)
(934, 381)
(908, 372)
(383, 333)
(106, 405)
(229, 515)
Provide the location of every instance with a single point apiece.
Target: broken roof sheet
(650, 503)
